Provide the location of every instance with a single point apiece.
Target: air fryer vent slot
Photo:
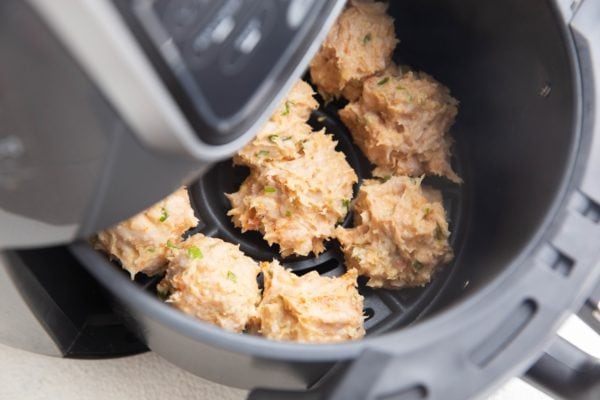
(592, 211)
(556, 260)
(413, 393)
(504, 334)
(585, 206)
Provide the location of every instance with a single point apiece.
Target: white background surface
(28, 376)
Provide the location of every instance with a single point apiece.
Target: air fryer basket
(522, 223)
(385, 309)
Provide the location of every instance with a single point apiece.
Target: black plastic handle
(566, 372)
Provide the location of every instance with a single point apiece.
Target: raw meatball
(400, 236)
(359, 45)
(296, 202)
(310, 308)
(140, 243)
(299, 186)
(213, 281)
(401, 123)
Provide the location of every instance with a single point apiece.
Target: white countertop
(28, 376)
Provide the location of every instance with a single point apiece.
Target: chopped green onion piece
(273, 138)
(164, 214)
(416, 265)
(427, 211)
(346, 203)
(367, 38)
(150, 249)
(262, 153)
(287, 138)
(439, 233)
(231, 276)
(270, 189)
(383, 81)
(387, 178)
(286, 108)
(411, 98)
(195, 253)
(171, 245)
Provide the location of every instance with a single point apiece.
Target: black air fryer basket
(524, 227)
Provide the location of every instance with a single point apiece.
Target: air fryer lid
(109, 106)
(523, 228)
(225, 62)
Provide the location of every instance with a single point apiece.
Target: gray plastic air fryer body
(107, 107)
(526, 232)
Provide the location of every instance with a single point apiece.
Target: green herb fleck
(387, 178)
(171, 245)
(416, 265)
(367, 38)
(231, 276)
(383, 81)
(285, 139)
(411, 98)
(439, 233)
(195, 253)
(270, 189)
(150, 249)
(288, 213)
(427, 211)
(164, 214)
(286, 108)
(262, 153)
(273, 138)
(346, 204)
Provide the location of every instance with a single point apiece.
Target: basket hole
(368, 313)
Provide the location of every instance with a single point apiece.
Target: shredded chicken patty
(401, 123)
(298, 189)
(140, 243)
(213, 281)
(400, 236)
(359, 45)
(310, 308)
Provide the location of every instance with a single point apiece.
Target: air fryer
(525, 227)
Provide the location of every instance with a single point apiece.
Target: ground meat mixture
(141, 242)
(401, 123)
(213, 281)
(298, 189)
(400, 236)
(310, 308)
(359, 45)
